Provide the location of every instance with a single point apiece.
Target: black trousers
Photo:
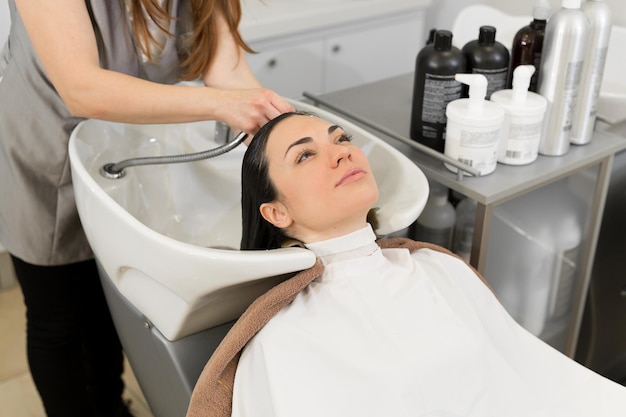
(74, 353)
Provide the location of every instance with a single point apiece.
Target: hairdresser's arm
(63, 37)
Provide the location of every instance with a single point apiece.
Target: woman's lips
(350, 176)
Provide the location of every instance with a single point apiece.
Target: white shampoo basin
(168, 235)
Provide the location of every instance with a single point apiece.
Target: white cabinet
(289, 69)
(337, 58)
(373, 52)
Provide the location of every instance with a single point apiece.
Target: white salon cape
(389, 333)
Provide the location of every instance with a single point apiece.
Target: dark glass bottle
(528, 44)
(434, 87)
(488, 57)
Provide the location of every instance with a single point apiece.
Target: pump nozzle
(477, 89)
(521, 81)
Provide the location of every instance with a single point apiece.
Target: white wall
(5, 21)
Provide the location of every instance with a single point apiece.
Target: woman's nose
(339, 153)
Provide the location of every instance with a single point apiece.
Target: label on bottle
(596, 78)
(570, 92)
(477, 148)
(496, 79)
(522, 142)
(439, 90)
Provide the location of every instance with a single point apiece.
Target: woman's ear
(276, 213)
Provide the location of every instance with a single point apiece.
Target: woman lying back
(375, 328)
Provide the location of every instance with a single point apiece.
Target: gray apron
(38, 218)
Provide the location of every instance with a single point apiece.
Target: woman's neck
(337, 230)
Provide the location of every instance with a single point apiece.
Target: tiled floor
(18, 396)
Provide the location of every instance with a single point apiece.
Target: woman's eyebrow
(300, 141)
(308, 139)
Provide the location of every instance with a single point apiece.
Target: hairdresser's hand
(248, 110)
(241, 102)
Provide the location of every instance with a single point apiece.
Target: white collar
(357, 244)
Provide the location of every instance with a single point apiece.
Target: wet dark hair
(257, 188)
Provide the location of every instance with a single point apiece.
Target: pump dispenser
(528, 43)
(474, 126)
(523, 121)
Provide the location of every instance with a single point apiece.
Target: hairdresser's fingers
(249, 110)
(270, 113)
(276, 106)
(282, 105)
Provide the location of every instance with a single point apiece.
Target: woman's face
(325, 184)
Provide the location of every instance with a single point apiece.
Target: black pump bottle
(434, 87)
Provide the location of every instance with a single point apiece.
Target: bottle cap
(443, 40)
(487, 35)
(541, 10)
(571, 4)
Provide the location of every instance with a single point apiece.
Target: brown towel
(213, 393)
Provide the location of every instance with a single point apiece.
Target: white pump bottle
(523, 121)
(473, 127)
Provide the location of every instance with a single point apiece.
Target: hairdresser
(116, 60)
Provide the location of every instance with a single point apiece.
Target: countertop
(268, 19)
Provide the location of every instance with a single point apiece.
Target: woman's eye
(304, 155)
(344, 138)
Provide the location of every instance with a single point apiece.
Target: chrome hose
(116, 170)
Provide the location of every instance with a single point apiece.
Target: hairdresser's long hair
(203, 42)
(257, 188)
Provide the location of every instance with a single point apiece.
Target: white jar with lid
(523, 121)
(474, 127)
